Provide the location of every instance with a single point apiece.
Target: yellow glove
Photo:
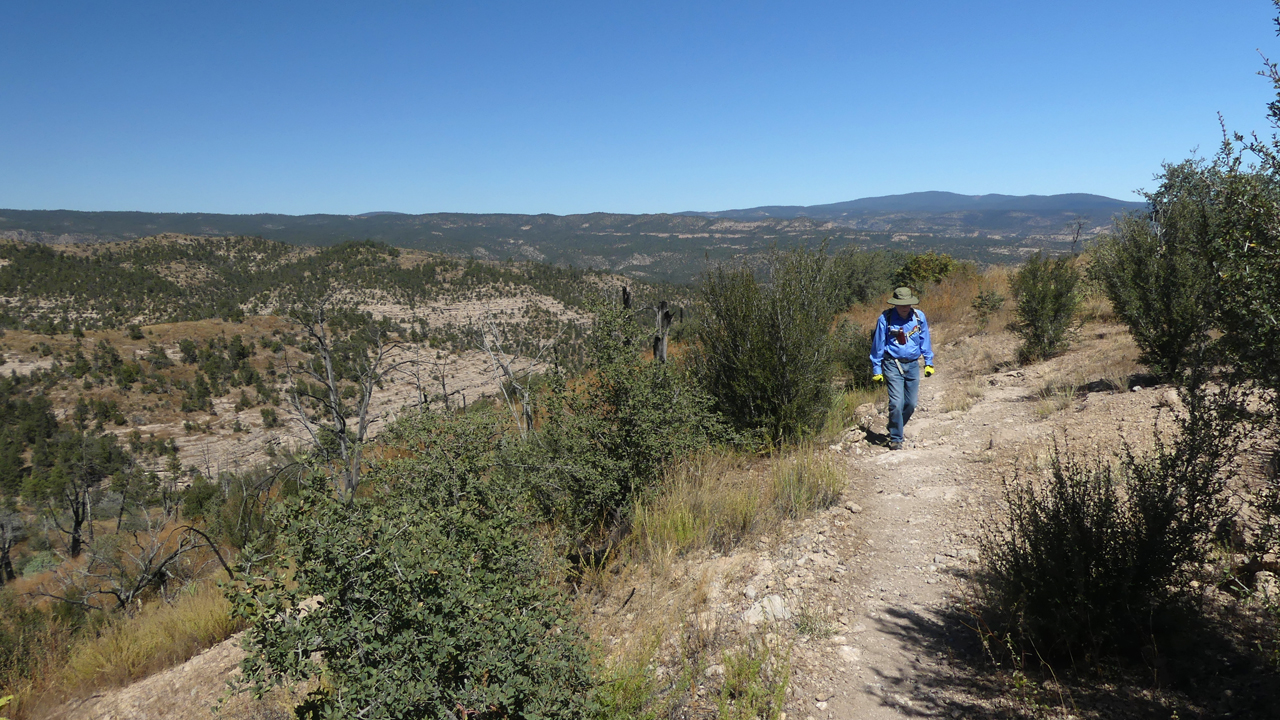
(928, 370)
(877, 378)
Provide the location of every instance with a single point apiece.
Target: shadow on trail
(1214, 667)
(876, 438)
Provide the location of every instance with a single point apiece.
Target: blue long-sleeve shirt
(885, 343)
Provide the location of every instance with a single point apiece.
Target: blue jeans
(904, 389)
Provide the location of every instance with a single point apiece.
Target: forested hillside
(181, 278)
(658, 247)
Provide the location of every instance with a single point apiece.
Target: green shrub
(1153, 271)
(852, 353)
(862, 276)
(431, 601)
(921, 270)
(1086, 561)
(764, 349)
(987, 303)
(604, 440)
(1047, 304)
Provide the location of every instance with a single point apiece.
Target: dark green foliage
(435, 602)
(115, 286)
(987, 303)
(190, 353)
(23, 423)
(201, 499)
(604, 441)
(920, 270)
(1087, 561)
(1155, 272)
(764, 351)
(1047, 304)
(65, 471)
(862, 276)
(852, 353)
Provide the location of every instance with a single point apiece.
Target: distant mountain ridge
(1085, 204)
(660, 247)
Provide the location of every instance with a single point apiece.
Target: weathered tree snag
(664, 319)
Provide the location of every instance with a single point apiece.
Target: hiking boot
(895, 446)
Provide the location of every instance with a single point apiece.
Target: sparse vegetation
(1088, 561)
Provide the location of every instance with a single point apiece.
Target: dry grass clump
(949, 304)
(962, 397)
(714, 500)
(803, 484)
(843, 413)
(160, 636)
(708, 500)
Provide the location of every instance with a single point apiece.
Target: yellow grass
(160, 636)
(843, 415)
(715, 500)
(708, 500)
(962, 397)
(949, 304)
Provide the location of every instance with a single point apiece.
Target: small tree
(605, 440)
(764, 348)
(1047, 304)
(66, 471)
(860, 276)
(930, 267)
(1154, 272)
(350, 354)
(11, 531)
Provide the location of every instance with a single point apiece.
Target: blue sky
(608, 106)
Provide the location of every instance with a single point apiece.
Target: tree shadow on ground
(1213, 665)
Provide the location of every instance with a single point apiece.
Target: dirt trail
(899, 612)
(913, 542)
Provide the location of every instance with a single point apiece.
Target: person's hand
(928, 370)
(878, 377)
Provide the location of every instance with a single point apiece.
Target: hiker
(901, 339)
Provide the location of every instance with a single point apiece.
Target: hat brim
(913, 300)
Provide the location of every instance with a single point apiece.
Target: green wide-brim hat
(904, 296)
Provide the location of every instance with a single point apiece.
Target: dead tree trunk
(663, 329)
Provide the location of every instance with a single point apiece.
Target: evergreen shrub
(764, 350)
(605, 439)
(430, 599)
(1091, 556)
(1045, 291)
(1154, 272)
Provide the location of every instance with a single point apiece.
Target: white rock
(772, 608)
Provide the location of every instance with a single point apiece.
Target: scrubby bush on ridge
(433, 600)
(603, 440)
(1086, 561)
(1045, 291)
(764, 350)
(1153, 270)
